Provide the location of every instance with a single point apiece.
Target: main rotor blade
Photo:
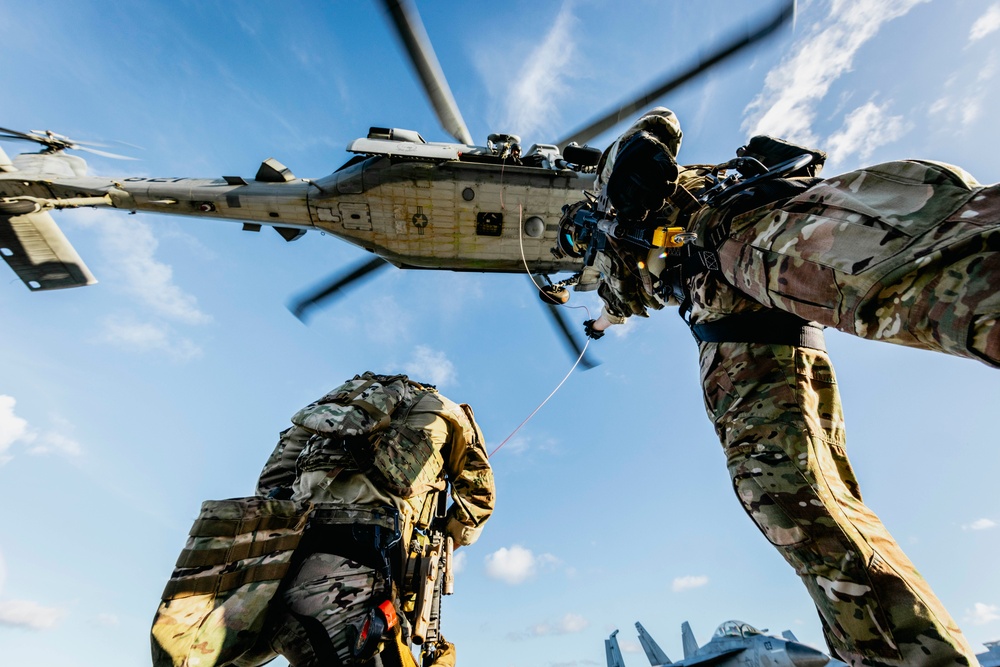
(705, 63)
(559, 321)
(14, 134)
(411, 32)
(104, 153)
(301, 305)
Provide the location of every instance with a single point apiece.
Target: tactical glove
(588, 328)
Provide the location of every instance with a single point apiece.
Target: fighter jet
(734, 644)
(991, 658)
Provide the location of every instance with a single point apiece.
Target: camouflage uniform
(903, 252)
(329, 591)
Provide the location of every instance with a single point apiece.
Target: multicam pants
(906, 252)
(325, 596)
(777, 412)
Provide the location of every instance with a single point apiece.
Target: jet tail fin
(688, 641)
(790, 636)
(612, 651)
(37, 250)
(657, 658)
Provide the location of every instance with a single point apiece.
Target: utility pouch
(214, 605)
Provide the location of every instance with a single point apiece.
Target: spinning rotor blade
(705, 63)
(301, 305)
(56, 142)
(411, 32)
(559, 321)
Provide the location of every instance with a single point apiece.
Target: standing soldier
(342, 556)
(907, 252)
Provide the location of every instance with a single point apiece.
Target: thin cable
(524, 259)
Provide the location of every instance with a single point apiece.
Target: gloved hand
(588, 328)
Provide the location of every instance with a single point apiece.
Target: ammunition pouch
(216, 600)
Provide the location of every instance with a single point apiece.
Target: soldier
(369, 465)
(904, 252)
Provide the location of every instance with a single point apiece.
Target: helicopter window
(489, 223)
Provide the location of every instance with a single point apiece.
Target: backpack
(367, 418)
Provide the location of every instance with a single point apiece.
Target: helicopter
(410, 202)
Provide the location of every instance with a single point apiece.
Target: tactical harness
(769, 326)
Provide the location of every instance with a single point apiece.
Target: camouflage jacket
(318, 468)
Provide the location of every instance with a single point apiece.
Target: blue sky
(125, 404)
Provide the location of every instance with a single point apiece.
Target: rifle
(429, 574)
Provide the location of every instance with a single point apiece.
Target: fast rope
(524, 260)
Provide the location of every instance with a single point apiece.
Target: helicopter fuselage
(417, 205)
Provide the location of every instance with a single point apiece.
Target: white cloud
(980, 524)
(964, 101)
(12, 427)
(49, 442)
(130, 247)
(981, 614)
(688, 582)
(629, 646)
(431, 367)
(569, 624)
(516, 564)
(28, 614)
(865, 129)
(15, 429)
(148, 337)
(786, 106)
(988, 23)
(528, 105)
(24, 613)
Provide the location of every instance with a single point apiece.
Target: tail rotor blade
(703, 64)
(300, 306)
(411, 32)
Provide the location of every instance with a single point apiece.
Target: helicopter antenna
(410, 30)
(704, 63)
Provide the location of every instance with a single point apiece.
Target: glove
(588, 328)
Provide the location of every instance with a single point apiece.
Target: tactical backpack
(367, 418)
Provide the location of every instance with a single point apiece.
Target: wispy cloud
(542, 77)
(981, 614)
(787, 105)
(629, 646)
(130, 246)
(515, 565)
(129, 333)
(431, 366)
(986, 24)
(980, 524)
(14, 429)
(568, 624)
(25, 613)
(964, 101)
(688, 582)
(865, 129)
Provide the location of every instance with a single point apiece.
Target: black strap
(770, 327)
